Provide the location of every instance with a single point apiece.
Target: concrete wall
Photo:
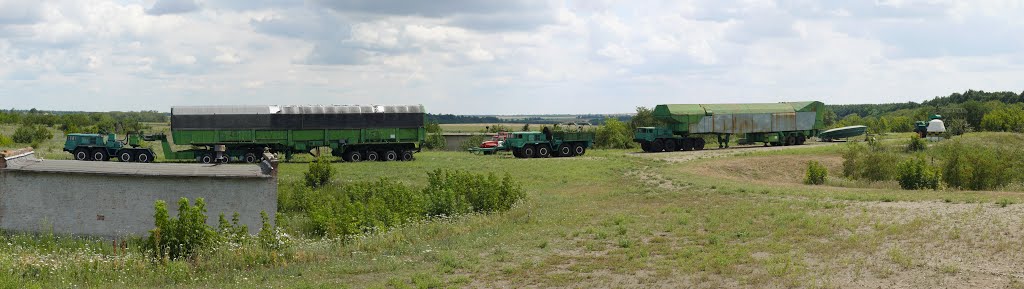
(455, 140)
(112, 205)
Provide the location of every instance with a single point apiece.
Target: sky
(501, 56)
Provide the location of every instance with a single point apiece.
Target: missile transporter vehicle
(94, 147)
(685, 126)
(549, 143)
(243, 132)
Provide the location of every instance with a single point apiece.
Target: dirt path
(682, 156)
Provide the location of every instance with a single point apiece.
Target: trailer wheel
(81, 154)
(698, 144)
(529, 151)
(144, 157)
(100, 155)
(670, 145)
(564, 150)
(800, 140)
(407, 156)
(251, 158)
(580, 150)
(791, 140)
(125, 156)
(372, 156)
(353, 156)
(658, 145)
(206, 159)
(543, 151)
(390, 156)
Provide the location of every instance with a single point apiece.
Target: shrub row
(953, 163)
(188, 235)
(358, 207)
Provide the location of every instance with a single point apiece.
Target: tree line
(973, 110)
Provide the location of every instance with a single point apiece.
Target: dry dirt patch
(767, 169)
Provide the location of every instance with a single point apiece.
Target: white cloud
(528, 56)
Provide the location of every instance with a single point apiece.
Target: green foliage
(1010, 118)
(180, 237)
(974, 167)
(614, 134)
(6, 141)
(320, 172)
(916, 144)
(472, 142)
(233, 231)
(435, 136)
(526, 127)
(270, 237)
(816, 173)
(358, 207)
(871, 162)
(958, 126)
(644, 118)
(453, 192)
(495, 128)
(31, 134)
(916, 174)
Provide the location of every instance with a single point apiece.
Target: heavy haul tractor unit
(684, 126)
(96, 147)
(549, 144)
(243, 132)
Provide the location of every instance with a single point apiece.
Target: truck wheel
(206, 159)
(564, 150)
(81, 154)
(517, 153)
(144, 157)
(100, 155)
(125, 156)
(646, 146)
(580, 150)
(372, 156)
(407, 156)
(687, 144)
(658, 145)
(251, 158)
(390, 156)
(670, 145)
(543, 151)
(529, 151)
(353, 156)
(698, 144)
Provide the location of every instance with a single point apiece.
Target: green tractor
(549, 144)
(94, 147)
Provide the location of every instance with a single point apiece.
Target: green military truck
(683, 126)
(549, 144)
(94, 147)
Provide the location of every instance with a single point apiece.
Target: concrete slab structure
(116, 199)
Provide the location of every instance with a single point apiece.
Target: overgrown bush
(435, 136)
(6, 141)
(916, 144)
(614, 134)
(364, 206)
(472, 142)
(871, 162)
(32, 134)
(183, 236)
(453, 192)
(816, 173)
(974, 167)
(320, 172)
(916, 174)
(232, 231)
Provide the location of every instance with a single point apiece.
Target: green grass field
(612, 218)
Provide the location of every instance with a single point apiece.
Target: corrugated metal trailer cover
(296, 117)
(742, 118)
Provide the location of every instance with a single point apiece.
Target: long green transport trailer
(242, 132)
(684, 126)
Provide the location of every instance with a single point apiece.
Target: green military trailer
(684, 126)
(549, 143)
(94, 147)
(243, 132)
